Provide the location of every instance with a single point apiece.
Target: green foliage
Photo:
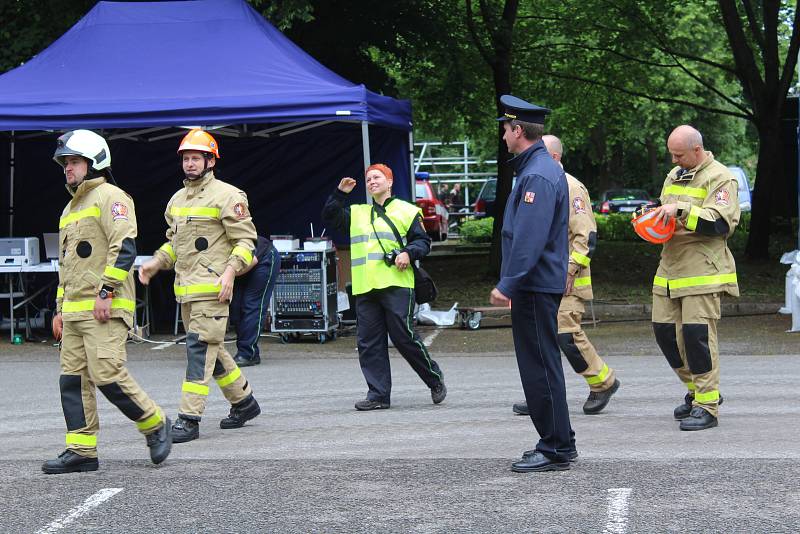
(29, 26)
(477, 230)
(615, 227)
(744, 222)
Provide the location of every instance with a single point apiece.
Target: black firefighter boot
(682, 411)
(160, 442)
(698, 419)
(241, 412)
(599, 399)
(70, 462)
(185, 430)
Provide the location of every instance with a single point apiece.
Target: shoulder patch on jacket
(722, 197)
(578, 205)
(529, 196)
(240, 210)
(119, 211)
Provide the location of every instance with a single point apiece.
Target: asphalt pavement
(311, 463)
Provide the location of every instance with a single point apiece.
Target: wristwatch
(106, 292)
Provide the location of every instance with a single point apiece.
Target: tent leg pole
(12, 164)
(365, 146)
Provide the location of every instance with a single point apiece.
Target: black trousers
(535, 328)
(383, 311)
(250, 303)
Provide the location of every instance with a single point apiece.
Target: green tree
(30, 26)
(712, 58)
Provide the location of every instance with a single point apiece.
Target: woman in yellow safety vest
(383, 282)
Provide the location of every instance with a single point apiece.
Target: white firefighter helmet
(83, 143)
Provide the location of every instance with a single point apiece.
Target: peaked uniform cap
(518, 109)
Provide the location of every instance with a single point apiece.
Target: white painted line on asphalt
(93, 501)
(617, 512)
(163, 346)
(430, 337)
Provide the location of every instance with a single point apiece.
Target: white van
(744, 187)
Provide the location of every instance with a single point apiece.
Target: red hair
(380, 167)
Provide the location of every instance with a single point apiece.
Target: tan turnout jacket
(582, 238)
(97, 247)
(697, 260)
(208, 227)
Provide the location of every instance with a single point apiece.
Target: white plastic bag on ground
(426, 315)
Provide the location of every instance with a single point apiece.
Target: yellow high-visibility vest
(368, 269)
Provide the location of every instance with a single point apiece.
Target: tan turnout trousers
(686, 332)
(93, 354)
(205, 322)
(576, 346)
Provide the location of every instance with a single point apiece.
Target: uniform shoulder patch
(119, 211)
(529, 196)
(240, 210)
(578, 205)
(722, 197)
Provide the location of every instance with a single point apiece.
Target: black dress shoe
(571, 455)
(241, 412)
(699, 419)
(185, 430)
(367, 405)
(70, 462)
(438, 393)
(241, 361)
(682, 411)
(537, 462)
(160, 442)
(599, 399)
(521, 408)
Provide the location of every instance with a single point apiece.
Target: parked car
(744, 187)
(435, 216)
(484, 202)
(623, 200)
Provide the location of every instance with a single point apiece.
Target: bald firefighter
(696, 268)
(95, 303)
(210, 239)
(572, 340)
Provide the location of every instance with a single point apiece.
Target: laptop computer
(51, 245)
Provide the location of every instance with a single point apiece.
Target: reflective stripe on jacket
(97, 233)
(697, 259)
(208, 228)
(366, 255)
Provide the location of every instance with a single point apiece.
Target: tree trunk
(505, 173)
(768, 171)
(653, 182)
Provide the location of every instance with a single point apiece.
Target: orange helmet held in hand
(200, 140)
(646, 227)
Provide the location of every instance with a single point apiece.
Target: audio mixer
(304, 299)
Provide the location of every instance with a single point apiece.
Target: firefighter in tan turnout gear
(572, 340)
(696, 268)
(95, 302)
(210, 238)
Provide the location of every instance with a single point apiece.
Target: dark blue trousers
(535, 329)
(383, 311)
(250, 303)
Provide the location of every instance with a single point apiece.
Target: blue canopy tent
(139, 71)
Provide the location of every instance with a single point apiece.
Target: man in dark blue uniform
(533, 278)
(251, 293)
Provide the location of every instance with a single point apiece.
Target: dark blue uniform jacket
(535, 243)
